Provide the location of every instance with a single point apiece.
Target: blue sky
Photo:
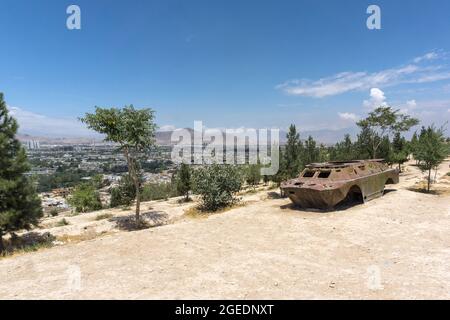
(228, 63)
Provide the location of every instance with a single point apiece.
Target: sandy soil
(394, 247)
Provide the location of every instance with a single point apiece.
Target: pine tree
(311, 153)
(293, 152)
(183, 181)
(20, 207)
(399, 152)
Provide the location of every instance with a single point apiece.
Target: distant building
(33, 145)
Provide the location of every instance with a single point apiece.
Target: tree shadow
(30, 241)
(274, 195)
(149, 219)
(425, 191)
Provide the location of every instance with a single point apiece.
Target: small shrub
(124, 194)
(28, 242)
(63, 222)
(183, 181)
(85, 198)
(217, 186)
(54, 212)
(158, 191)
(253, 175)
(103, 216)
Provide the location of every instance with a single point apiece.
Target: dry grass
(103, 216)
(435, 188)
(28, 242)
(61, 223)
(66, 238)
(197, 212)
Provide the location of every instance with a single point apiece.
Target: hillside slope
(394, 247)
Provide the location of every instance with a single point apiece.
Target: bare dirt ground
(394, 247)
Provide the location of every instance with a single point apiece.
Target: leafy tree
(159, 191)
(85, 198)
(98, 181)
(323, 153)
(253, 174)
(363, 145)
(124, 194)
(412, 146)
(20, 207)
(282, 173)
(400, 152)
(183, 180)
(382, 122)
(217, 185)
(134, 131)
(385, 150)
(431, 150)
(293, 153)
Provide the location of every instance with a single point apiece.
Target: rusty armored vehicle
(324, 185)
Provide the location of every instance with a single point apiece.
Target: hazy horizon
(234, 65)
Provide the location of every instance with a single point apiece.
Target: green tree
(85, 198)
(385, 150)
(183, 180)
(253, 175)
(282, 169)
(412, 146)
(20, 207)
(97, 181)
(217, 185)
(133, 130)
(310, 152)
(343, 150)
(431, 150)
(382, 122)
(293, 153)
(400, 152)
(363, 144)
(124, 193)
(159, 191)
(323, 152)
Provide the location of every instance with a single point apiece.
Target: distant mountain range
(327, 137)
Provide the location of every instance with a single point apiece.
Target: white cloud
(38, 124)
(428, 56)
(167, 127)
(351, 81)
(411, 104)
(432, 77)
(348, 116)
(377, 98)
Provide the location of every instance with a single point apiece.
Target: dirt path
(395, 247)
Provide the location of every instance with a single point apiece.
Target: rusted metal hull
(344, 181)
(310, 198)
